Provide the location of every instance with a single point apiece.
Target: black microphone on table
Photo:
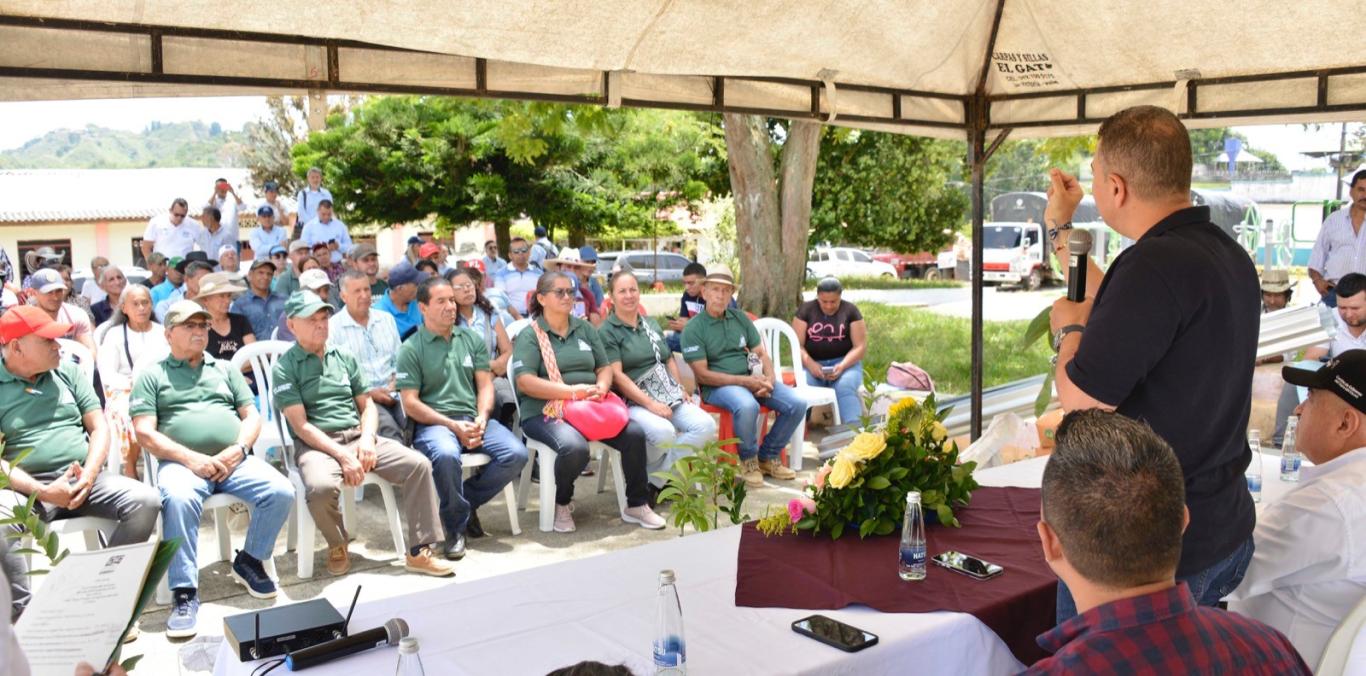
(1079, 256)
(389, 634)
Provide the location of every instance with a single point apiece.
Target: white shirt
(172, 240)
(316, 231)
(518, 284)
(375, 345)
(211, 242)
(1343, 340)
(281, 208)
(92, 292)
(262, 241)
(229, 207)
(1308, 570)
(147, 347)
(1339, 250)
(307, 201)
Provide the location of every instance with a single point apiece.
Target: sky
(22, 121)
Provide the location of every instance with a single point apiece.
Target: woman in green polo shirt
(584, 374)
(646, 376)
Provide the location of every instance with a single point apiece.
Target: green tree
(887, 190)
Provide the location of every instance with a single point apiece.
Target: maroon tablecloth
(817, 573)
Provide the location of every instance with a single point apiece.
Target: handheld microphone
(1079, 256)
(389, 634)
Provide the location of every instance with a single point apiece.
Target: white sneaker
(644, 516)
(564, 518)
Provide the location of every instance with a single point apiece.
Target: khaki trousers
(395, 463)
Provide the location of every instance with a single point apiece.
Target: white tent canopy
(966, 69)
(903, 65)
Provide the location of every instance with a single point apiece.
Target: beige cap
(314, 279)
(216, 283)
(182, 311)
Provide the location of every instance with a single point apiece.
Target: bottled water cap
(666, 576)
(407, 645)
(912, 496)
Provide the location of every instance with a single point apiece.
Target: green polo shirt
(724, 342)
(45, 416)
(195, 406)
(326, 387)
(579, 354)
(378, 288)
(638, 347)
(442, 369)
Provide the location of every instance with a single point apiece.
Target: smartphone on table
(834, 633)
(969, 565)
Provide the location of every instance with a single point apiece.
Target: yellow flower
(865, 446)
(907, 404)
(938, 432)
(843, 472)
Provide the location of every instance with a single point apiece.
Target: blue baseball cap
(405, 274)
(414, 240)
(265, 210)
(277, 249)
(588, 254)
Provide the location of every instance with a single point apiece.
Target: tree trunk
(771, 231)
(502, 232)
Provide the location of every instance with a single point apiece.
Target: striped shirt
(1339, 249)
(374, 346)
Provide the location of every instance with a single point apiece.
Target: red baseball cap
(428, 249)
(21, 320)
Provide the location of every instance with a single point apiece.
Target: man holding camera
(1168, 335)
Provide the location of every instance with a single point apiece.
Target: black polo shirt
(1171, 340)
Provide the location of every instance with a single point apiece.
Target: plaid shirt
(1165, 633)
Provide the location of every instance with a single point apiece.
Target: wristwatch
(1062, 333)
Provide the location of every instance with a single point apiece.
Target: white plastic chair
(545, 455)
(218, 504)
(74, 351)
(774, 335)
(1339, 652)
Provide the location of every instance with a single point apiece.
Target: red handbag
(597, 420)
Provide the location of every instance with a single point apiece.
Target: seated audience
(130, 341)
(72, 298)
(1350, 334)
(520, 277)
(50, 415)
(690, 304)
(447, 390)
(557, 359)
(228, 331)
(585, 303)
(92, 289)
(172, 280)
(263, 309)
(193, 269)
(49, 293)
(400, 300)
(1307, 573)
(111, 284)
(228, 260)
(366, 259)
(833, 339)
(1114, 509)
(196, 415)
(477, 314)
(320, 392)
(427, 266)
(285, 284)
(157, 266)
(370, 336)
(589, 256)
(645, 374)
(737, 374)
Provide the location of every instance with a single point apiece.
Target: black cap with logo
(1343, 375)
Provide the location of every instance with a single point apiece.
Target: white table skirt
(603, 608)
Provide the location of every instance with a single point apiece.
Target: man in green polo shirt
(718, 343)
(447, 389)
(195, 414)
(320, 392)
(50, 416)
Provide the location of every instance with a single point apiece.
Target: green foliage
(179, 144)
(1206, 144)
(24, 521)
(1038, 328)
(702, 486)
(887, 190)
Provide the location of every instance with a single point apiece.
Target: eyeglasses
(521, 250)
(562, 293)
(196, 326)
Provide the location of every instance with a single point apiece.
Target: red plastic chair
(726, 428)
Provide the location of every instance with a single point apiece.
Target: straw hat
(1276, 280)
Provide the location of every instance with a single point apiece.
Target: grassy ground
(942, 346)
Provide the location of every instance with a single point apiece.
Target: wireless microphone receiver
(389, 634)
(1078, 260)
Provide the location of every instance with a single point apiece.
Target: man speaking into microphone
(1167, 336)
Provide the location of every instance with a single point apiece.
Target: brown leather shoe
(427, 564)
(776, 469)
(750, 472)
(338, 560)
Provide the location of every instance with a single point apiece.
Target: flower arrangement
(865, 485)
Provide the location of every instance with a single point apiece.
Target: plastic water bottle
(409, 661)
(1253, 474)
(671, 651)
(1290, 456)
(911, 562)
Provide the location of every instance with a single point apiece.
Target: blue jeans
(846, 389)
(460, 497)
(689, 427)
(1207, 586)
(744, 411)
(182, 502)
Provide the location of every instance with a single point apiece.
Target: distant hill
(170, 144)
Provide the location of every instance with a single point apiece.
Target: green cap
(182, 311)
(304, 304)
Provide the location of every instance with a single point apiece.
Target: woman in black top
(228, 331)
(834, 340)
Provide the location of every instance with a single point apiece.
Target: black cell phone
(969, 565)
(834, 633)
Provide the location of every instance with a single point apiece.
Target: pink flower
(821, 475)
(799, 507)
